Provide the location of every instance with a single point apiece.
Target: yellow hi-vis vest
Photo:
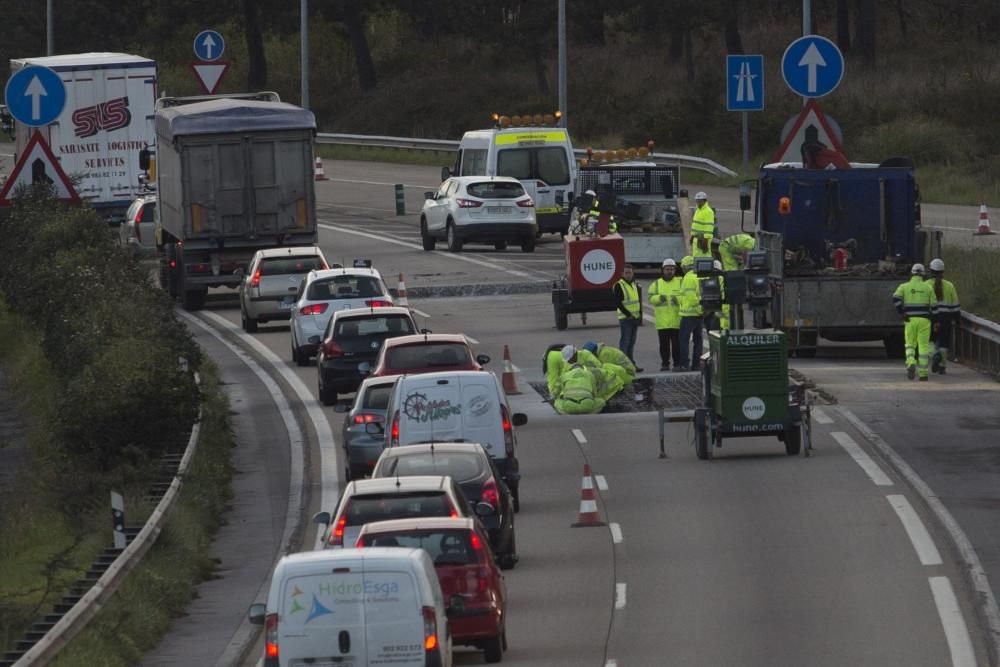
(631, 301)
(690, 295)
(703, 221)
(577, 384)
(665, 297)
(915, 298)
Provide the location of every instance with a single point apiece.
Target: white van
(457, 406)
(540, 157)
(353, 608)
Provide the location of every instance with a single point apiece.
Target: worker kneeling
(607, 376)
(577, 388)
(613, 358)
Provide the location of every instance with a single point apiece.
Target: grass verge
(158, 590)
(973, 270)
(391, 155)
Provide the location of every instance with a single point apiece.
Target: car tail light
(527, 202)
(367, 418)
(255, 281)
(314, 309)
(508, 432)
(271, 637)
(541, 184)
(394, 431)
(490, 493)
(468, 203)
(378, 303)
(430, 633)
(331, 349)
(337, 534)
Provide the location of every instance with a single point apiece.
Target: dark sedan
(362, 449)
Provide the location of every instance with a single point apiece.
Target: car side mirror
(322, 518)
(484, 509)
(426, 331)
(744, 197)
(429, 195)
(257, 613)
(340, 408)
(144, 156)
(445, 173)
(374, 428)
(482, 359)
(364, 368)
(519, 419)
(240, 273)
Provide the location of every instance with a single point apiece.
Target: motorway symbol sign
(812, 66)
(811, 125)
(35, 96)
(210, 74)
(744, 83)
(37, 164)
(209, 45)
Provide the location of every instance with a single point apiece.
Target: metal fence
(977, 344)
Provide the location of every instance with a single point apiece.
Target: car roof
(402, 484)
(350, 555)
(319, 274)
(480, 179)
(437, 447)
(363, 312)
(429, 338)
(287, 251)
(418, 523)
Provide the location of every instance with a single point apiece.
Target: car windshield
(445, 547)
(495, 190)
(430, 355)
(344, 287)
(283, 266)
(461, 466)
(377, 397)
(382, 507)
(374, 325)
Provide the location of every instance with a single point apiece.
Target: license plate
(285, 305)
(499, 209)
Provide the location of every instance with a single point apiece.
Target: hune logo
(753, 408)
(597, 266)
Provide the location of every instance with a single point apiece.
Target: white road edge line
(820, 416)
(619, 596)
(927, 552)
(955, 630)
(420, 312)
(611, 663)
(329, 475)
(977, 574)
(602, 483)
(616, 533)
(861, 458)
(578, 434)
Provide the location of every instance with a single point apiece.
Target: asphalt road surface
(754, 558)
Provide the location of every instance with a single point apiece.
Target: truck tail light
(468, 203)
(314, 309)
(271, 638)
(527, 202)
(332, 350)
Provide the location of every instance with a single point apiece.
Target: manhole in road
(648, 394)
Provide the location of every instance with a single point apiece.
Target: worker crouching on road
(915, 301)
(948, 315)
(578, 388)
(664, 295)
(607, 377)
(553, 365)
(613, 359)
(733, 251)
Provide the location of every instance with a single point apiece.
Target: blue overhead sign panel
(812, 66)
(744, 83)
(209, 45)
(35, 96)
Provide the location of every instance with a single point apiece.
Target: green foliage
(973, 270)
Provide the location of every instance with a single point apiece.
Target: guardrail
(977, 343)
(87, 607)
(450, 145)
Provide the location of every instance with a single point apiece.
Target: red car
(473, 587)
(427, 353)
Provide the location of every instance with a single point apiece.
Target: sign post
(118, 519)
(745, 92)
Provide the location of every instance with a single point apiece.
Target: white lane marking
(360, 208)
(472, 340)
(578, 434)
(922, 541)
(820, 416)
(977, 573)
(602, 483)
(616, 533)
(861, 458)
(588, 506)
(609, 663)
(407, 244)
(420, 312)
(619, 596)
(955, 631)
(329, 475)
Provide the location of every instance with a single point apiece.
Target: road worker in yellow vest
(733, 251)
(916, 302)
(703, 227)
(629, 309)
(614, 359)
(578, 388)
(664, 295)
(949, 314)
(554, 367)
(608, 378)
(691, 318)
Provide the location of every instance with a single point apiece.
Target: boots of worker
(911, 371)
(936, 366)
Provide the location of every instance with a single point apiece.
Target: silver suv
(269, 287)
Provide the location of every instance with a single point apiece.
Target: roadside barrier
(590, 516)
(508, 380)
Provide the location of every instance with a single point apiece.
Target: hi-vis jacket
(915, 298)
(665, 297)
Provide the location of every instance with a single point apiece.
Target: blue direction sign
(35, 96)
(744, 83)
(812, 66)
(209, 45)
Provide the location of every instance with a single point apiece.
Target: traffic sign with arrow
(209, 45)
(35, 96)
(812, 66)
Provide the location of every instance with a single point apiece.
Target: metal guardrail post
(400, 200)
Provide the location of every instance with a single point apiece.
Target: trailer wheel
(793, 440)
(562, 318)
(194, 299)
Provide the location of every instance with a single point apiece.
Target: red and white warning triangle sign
(810, 127)
(37, 164)
(210, 74)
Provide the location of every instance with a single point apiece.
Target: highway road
(754, 558)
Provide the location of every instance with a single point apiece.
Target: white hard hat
(568, 352)
(917, 269)
(701, 195)
(717, 265)
(937, 265)
(591, 193)
(669, 262)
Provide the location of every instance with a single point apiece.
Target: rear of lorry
(107, 120)
(233, 176)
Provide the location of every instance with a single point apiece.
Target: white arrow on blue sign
(209, 45)
(35, 96)
(812, 66)
(744, 83)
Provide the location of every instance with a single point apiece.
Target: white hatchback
(324, 292)
(479, 209)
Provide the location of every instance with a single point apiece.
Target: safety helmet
(701, 196)
(717, 265)
(668, 262)
(591, 193)
(568, 352)
(918, 269)
(937, 265)
(687, 262)
(590, 346)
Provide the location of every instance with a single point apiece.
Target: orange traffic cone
(508, 381)
(401, 299)
(318, 174)
(589, 514)
(984, 222)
